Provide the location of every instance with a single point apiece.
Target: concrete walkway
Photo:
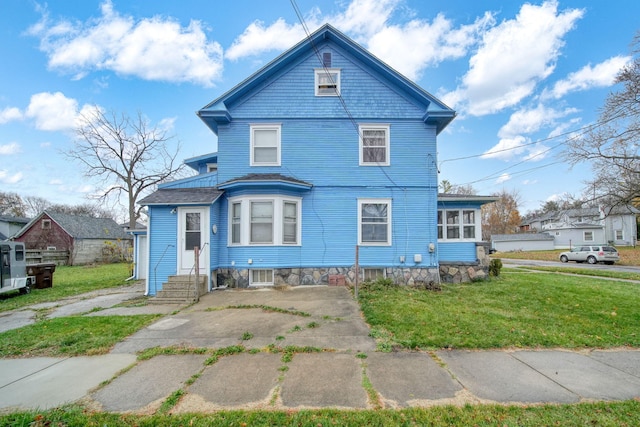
(321, 318)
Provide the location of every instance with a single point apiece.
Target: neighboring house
(522, 242)
(86, 239)
(573, 227)
(323, 150)
(10, 225)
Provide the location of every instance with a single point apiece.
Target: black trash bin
(43, 274)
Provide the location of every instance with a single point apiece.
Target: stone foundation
(426, 277)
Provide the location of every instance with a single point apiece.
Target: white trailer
(13, 268)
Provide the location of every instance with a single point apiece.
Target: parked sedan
(591, 254)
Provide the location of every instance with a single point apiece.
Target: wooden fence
(38, 256)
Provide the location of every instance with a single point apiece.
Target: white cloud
(151, 48)
(601, 75)
(513, 57)
(11, 148)
(52, 111)
(8, 178)
(526, 121)
(506, 148)
(10, 114)
(503, 178)
(409, 47)
(529, 181)
(258, 38)
(56, 181)
(413, 46)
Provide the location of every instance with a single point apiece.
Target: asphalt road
(528, 262)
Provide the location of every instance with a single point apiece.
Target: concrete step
(168, 301)
(187, 279)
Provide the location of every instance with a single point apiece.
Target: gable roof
(436, 113)
(81, 227)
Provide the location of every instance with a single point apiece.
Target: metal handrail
(155, 269)
(196, 293)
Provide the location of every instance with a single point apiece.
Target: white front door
(192, 232)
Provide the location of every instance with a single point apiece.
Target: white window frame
(267, 271)
(277, 225)
(46, 224)
(373, 274)
(389, 222)
(616, 234)
(322, 91)
(442, 225)
(387, 146)
(233, 221)
(270, 127)
(584, 236)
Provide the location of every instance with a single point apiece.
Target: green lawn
(584, 414)
(68, 282)
(520, 309)
(70, 336)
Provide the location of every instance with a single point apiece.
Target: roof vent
(326, 59)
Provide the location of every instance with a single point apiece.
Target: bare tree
(448, 188)
(12, 204)
(612, 145)
(35, 205)
(501, 216)
(129, 155)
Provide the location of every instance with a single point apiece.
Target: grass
(601, 414)
(69, 282)
(520, 309)
(628, 255)
(70, 336)
(587, 272)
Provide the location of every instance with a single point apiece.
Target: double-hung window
(374, 145)
(265, 145)
(374, 222)
(457, 224)
(264, 220)
(327, 82)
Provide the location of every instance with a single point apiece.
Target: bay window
(458, 224)
(264, 220)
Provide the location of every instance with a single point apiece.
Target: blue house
(324, 150)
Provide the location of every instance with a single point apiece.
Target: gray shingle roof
(85, 227)
(262, 177)
(182, 196)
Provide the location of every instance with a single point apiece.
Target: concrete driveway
(321, 317)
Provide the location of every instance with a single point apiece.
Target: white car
(592, 254)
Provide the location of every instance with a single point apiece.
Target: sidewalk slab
(148, 383)
(324, 380)
(239, 381)
(626, 360)
(16, 319)
(409, 379)
(12, 370)
(499, 377)
(582, 375)
(63, 382)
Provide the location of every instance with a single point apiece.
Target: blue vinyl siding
(162, 246)
(457, 252)
(330, 231)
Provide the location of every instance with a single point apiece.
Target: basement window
(261, 277)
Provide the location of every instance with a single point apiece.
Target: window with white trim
(261, 277)
(588, 236)
(374, 145)
(327, 81)
(46, 224)
(619, 235)
(458, 224)
(374, 222)
(236, 212)
(372, 274)
(264, 220)
(265, 145)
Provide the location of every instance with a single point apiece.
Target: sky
(523, 77)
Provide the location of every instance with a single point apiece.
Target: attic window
(46, 224)
(327, 81)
